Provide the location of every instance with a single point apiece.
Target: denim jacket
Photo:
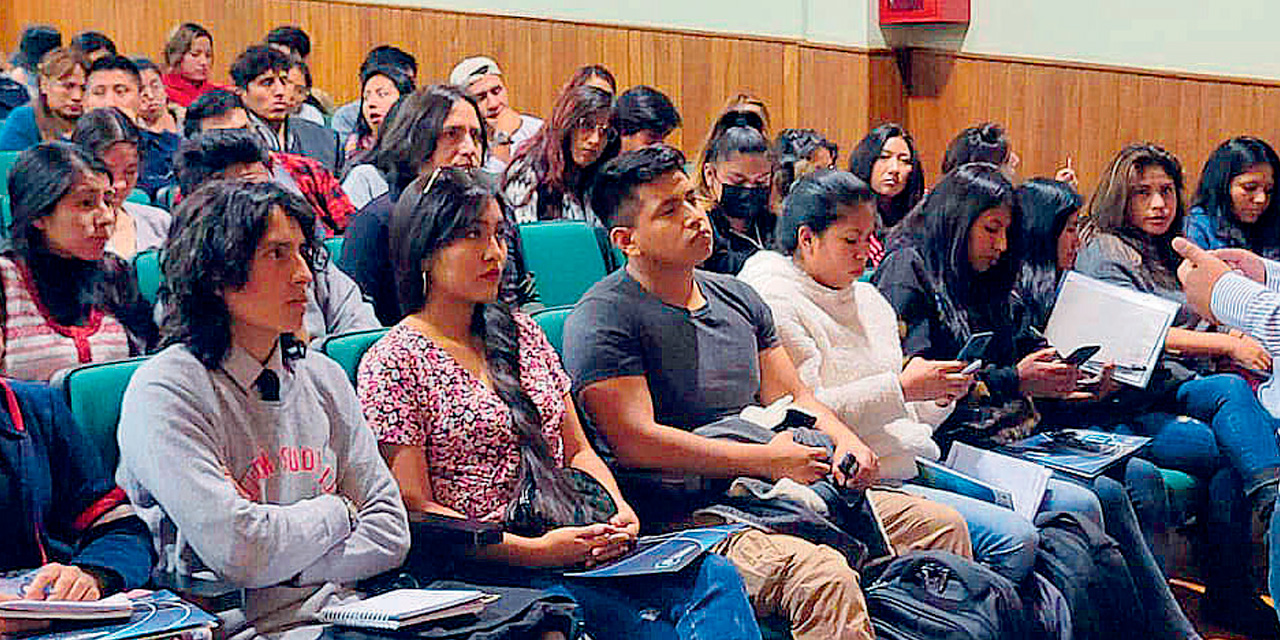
(53, 487)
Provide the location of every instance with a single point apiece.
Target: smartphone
(1082, 354)
(976, 347)
(971, 367)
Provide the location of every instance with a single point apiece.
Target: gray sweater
(249, 489)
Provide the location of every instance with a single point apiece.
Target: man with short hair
(244, 452)
(346, 117)
(113, 81)
(261, 75)
(224, 110)
(659, 348)
(643, 116)
(290, 40)
(335, 304)
(481, 78)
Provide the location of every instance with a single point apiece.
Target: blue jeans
(1002, 540)
(704, 601)
(1110, 499)
(1244, 430)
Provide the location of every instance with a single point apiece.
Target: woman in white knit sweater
(843, 337)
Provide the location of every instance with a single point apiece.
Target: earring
(424, 284)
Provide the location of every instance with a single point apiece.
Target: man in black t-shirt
(659, 348)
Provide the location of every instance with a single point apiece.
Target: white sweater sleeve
(168, 446)
(380, 539)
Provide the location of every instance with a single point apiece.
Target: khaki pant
(813, 587)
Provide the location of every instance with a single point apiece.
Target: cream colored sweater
(845, 346)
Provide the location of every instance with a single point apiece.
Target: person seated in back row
(334, 302)
(660, 348)
(261, 75)
(280, 491)
(70, 523)
(308, 177)
(65, 301)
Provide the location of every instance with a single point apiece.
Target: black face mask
(744, 203)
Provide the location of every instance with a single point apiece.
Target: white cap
(473, 69)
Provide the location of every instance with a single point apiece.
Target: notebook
(406, 607)
(155, 615)
(114, 607)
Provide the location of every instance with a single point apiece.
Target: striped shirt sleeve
(1250, 307)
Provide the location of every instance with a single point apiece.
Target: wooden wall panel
(1058, 110)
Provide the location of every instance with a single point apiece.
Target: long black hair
(863, 159)
(1213, 196)
(211, 247)
(397, 76)
(939, 230)
(434, 212)
(1046, 206)
(409, 134)
(69, 287)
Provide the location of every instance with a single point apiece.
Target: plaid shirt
(320, 188)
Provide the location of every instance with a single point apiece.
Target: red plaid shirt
(320, 188)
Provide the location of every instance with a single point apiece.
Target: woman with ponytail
(473, 413)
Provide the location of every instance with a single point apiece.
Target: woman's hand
(868, 470)
(589, 545)
(1043, 374)
(939, 380)
(1249, 354)
(63, 582)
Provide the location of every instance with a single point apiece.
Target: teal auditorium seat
(139, 196)
(94, 392)
(565, 259)
(6, 216)
(552, 323)
(146, 265)
(7, 158)
(348, 348)
(334, 245)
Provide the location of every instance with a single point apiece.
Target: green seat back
(7, 158)
(1183, 490)
(334, 245)
(147, 267)
(552, 323)
(6, 216)
(348, 348)
(565, 259)
(95, 392)
(139, 196)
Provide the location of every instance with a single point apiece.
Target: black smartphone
(1082, 354)
(975, 347)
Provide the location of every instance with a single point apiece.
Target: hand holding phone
(1082, 354)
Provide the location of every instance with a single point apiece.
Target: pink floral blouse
(415, 394)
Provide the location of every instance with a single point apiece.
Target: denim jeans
(1111, 499)
(1244, 430)
(1002, 540)
(704, 601)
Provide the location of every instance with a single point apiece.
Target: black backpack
(933, 595)
(1086, 565)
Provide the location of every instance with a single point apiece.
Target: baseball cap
(472, 69)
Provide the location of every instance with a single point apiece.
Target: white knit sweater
(845, 346)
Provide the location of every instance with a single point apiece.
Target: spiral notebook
(406, 607)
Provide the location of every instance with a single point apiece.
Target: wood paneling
(1058, 110)
(697, 70)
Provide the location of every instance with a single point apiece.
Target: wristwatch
(353, 513)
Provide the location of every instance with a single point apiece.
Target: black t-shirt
(700, 365)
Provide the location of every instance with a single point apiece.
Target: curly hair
(211, 248)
